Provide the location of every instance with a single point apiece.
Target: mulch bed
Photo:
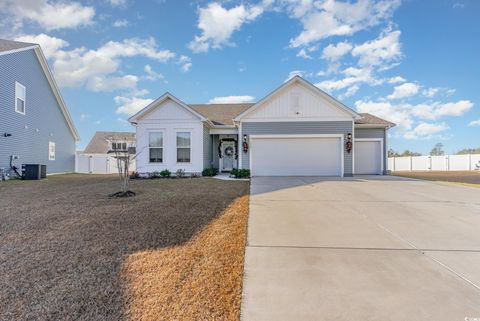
(172, 252)
(470, 177)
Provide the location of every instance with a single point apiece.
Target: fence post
(411, 163)
(393, 164)
(447, 160)
(470, 162)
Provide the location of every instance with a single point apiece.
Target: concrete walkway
(364, 248)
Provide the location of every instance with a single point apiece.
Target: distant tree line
(437, 150)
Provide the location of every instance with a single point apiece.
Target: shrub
(135, 175)
(165, 173)
(240, 173)
(155, 174)
(210, 171)
(180, 173)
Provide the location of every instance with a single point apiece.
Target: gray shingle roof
(99, 144)
(220, 114)
(7, 45)
(369, 119)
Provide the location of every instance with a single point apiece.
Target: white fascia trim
(56, 91)
(266, 120)
(226, 131)
(371, 126)
(308, 84)
(158, 101)
(340, 136)
(382, 156)
(297, 136)
(18, 50)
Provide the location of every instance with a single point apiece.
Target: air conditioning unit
(34, 171)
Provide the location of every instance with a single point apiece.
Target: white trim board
(280, 136)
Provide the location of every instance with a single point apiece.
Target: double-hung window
(183, 147)
(155, 145)
(51, 150)
(20, 95)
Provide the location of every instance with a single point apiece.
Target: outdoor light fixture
(6, 135)
(244, 138)
(348, 143)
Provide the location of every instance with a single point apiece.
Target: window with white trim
(119, 146)
(51, 151)
(155, 145)
(183, 147)
(20, 95)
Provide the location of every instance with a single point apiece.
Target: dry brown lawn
(173, 252)
(469, 177)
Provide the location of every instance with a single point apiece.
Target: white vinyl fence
(467, 162)
(98, 164)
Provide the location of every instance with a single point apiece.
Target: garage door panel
(368, 157)
(304, 156)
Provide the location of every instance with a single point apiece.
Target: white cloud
(50, 15)
(405, 115)
(405, 90)
(396, 80)
(353, 76)
(96, 68)
(434, 91)
(130, 105)
(185, 62)
(474, 123)
(218, 24)
(118, 3)
(105, 84)
(50, 45)
(231, 99)
(303, 54)
(323, 19)
(120, 23)
(350, 92)
(335, 52)
(426, 130)
(152, 75)
(384, 49)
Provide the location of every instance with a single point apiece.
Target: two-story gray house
(35, 125)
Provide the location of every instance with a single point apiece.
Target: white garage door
(296, 156)
(368, 157)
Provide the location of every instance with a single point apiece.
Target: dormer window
(119, 146)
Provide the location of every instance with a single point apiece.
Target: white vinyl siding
(20, 98)
(155, 147)
(51, 151)
(183, 147)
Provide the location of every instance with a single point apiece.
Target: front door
(228, 156)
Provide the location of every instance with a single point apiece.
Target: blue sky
(415, 63)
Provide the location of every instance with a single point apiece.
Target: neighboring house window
(183, 147)
(155, 145)
(20, 95)
(51, 151)
(119, 146)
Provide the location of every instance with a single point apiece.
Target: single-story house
(35, 124)
(296, 130)
(98, 157)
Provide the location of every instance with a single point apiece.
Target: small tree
(124, 152)
(437, 150)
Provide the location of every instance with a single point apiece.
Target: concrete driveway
(364, 248)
